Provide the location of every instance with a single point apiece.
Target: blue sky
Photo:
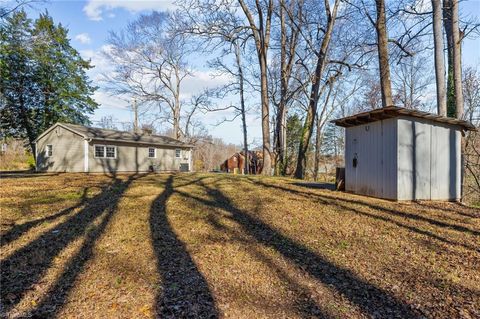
(90, 21)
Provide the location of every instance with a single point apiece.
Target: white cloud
(83, 38)
(201, 80)
(94, 9)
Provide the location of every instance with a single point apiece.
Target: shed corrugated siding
(429, 160)
(375, 147)
(134, 158)
(67, 151)
(390, 159)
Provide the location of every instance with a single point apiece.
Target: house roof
(107, 135)
(394, 111)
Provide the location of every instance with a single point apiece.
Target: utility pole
(135, 114)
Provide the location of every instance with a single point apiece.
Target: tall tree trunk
(439, 58)
(319, 135)
(383, 60)
(281, 114)
(457, 61)
(313, 101)
(176, 110)
(267, 159)
(242, 104)
(288, 47)
(318, 145)
(447, 24)
(261, 34)
(457, 80)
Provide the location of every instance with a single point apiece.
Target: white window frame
(114, 152)
(104, 151)
(95, 151)
(179, 153)
(46, 150)
(154, 152)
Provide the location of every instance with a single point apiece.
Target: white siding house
(402, 154)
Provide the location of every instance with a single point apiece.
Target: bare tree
(412, 80)
(457, 63)
(149, 64)
(439, 58)
(218, 27)
(260, 29)
(471, 90)
(289, 39)
(321, 54)
(107, 122)
(383, 59)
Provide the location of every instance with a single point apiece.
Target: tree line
(284, 59)
(294, 63)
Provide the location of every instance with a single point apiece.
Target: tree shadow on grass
(329, 186)
(465, 211)
(26, 266)
(24, 174)
(184, 292)
(305, 304)
(57, 295)
(18, 230)
(372, 300)
(408, 216)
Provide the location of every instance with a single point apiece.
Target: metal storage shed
(403, 154)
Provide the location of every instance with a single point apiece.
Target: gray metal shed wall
(134, 158)
(376, 148)
(67, 153)
(429, 160)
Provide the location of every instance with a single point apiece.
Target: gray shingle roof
(121, 136)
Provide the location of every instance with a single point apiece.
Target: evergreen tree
(16, 73)
(294, 132)
(332, 140)
(43, 79)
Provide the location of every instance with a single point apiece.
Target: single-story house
(75, 148)
(403, 154)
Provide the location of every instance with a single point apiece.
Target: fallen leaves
(232, 246)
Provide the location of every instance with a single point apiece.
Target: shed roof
(108, 135)
(394, 111)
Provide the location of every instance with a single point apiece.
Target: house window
(111, 151)
(177, 153)
(151, 152)
(49, 150)
(105, 151)
(99, 151)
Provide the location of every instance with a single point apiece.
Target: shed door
(184, 167)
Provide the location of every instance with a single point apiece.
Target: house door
(184, 167)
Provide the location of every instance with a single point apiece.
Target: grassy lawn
(199, 245)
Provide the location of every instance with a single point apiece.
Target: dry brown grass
(199, 245)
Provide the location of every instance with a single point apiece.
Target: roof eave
(139, 142)
(392, 111)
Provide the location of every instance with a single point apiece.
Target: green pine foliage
(294, 132)
(42, 77)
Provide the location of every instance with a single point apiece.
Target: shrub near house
(14, 156)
